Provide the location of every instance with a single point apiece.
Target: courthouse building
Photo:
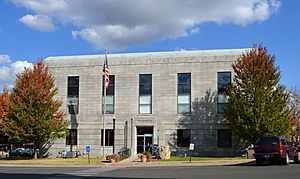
(158, 98)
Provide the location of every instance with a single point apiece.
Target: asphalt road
(245, 171)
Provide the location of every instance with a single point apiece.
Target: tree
(33, 115)
(4, 100)
(257, 102)
(294, 106)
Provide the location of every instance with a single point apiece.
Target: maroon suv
(275, 149)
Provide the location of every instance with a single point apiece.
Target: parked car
(275, 149)
(22, 152)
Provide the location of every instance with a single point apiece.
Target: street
(244, 171)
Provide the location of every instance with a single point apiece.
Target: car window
(268, 141)
(283, 142)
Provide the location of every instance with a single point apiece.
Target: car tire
(286, 159)
(296, 159)
(259, 162)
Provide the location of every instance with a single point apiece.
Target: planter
(144, 158)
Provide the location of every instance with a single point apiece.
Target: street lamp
(114, 130)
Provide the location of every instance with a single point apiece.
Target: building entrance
(144, 138)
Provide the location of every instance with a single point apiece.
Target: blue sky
(31, 29)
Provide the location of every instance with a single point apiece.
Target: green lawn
(55, 161)
(187, 158)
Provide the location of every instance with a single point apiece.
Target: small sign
(87, 148)
(192, 146)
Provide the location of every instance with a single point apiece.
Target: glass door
(144, 139)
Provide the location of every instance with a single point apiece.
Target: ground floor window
(71, 138)
(183, 137)
(109, 137)
(224, 138)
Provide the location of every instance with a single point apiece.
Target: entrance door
(144, 138)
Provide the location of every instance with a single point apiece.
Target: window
(183, 137)
(71, 138)
(184, 93)
(109, 137)
(224, 137)
(224, 80)
(145, 90)
(73, 94)
(110, 95)
(72, 108)
(73, 86)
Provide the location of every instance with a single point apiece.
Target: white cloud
(119, 24)
(19, 66)
(8, 73)
(42, 6)
(39, 22)
(4, 59)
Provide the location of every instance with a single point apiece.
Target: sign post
(88, 149)
(192, 146)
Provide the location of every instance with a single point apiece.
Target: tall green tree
(257, 102)
(33, 114)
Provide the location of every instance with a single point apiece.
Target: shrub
(115, 157)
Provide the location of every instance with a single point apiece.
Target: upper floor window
(73, 86)
(145, 93)
(73, 94)
(184, 93)
(224, 80)
(110, 95)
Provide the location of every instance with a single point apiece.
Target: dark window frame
(145, 89)
(73, 109)
(73, 88)
(221, 91)
(224, 138)
(109, 137)
(73, 85)
(184, 88)
(183, 141)
(72, 137)
(109, 92)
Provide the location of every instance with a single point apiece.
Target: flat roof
(181, 53)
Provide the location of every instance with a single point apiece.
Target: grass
(55, 161)
(187, 158)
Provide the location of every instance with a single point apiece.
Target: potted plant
(145, 156)
(113, 158)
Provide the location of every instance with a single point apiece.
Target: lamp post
(114, 129)
(131, 137)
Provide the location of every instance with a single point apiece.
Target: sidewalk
(133, 161)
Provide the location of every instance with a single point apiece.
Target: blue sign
(87, 148)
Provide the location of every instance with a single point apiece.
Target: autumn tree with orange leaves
(257, 102)
(4, 99)
(33, 114)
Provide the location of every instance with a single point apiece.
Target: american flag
(105, 69)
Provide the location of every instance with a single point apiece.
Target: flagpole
(104, 106)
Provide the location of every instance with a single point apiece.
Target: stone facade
(203, 122)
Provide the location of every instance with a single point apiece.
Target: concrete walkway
(134, 161)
